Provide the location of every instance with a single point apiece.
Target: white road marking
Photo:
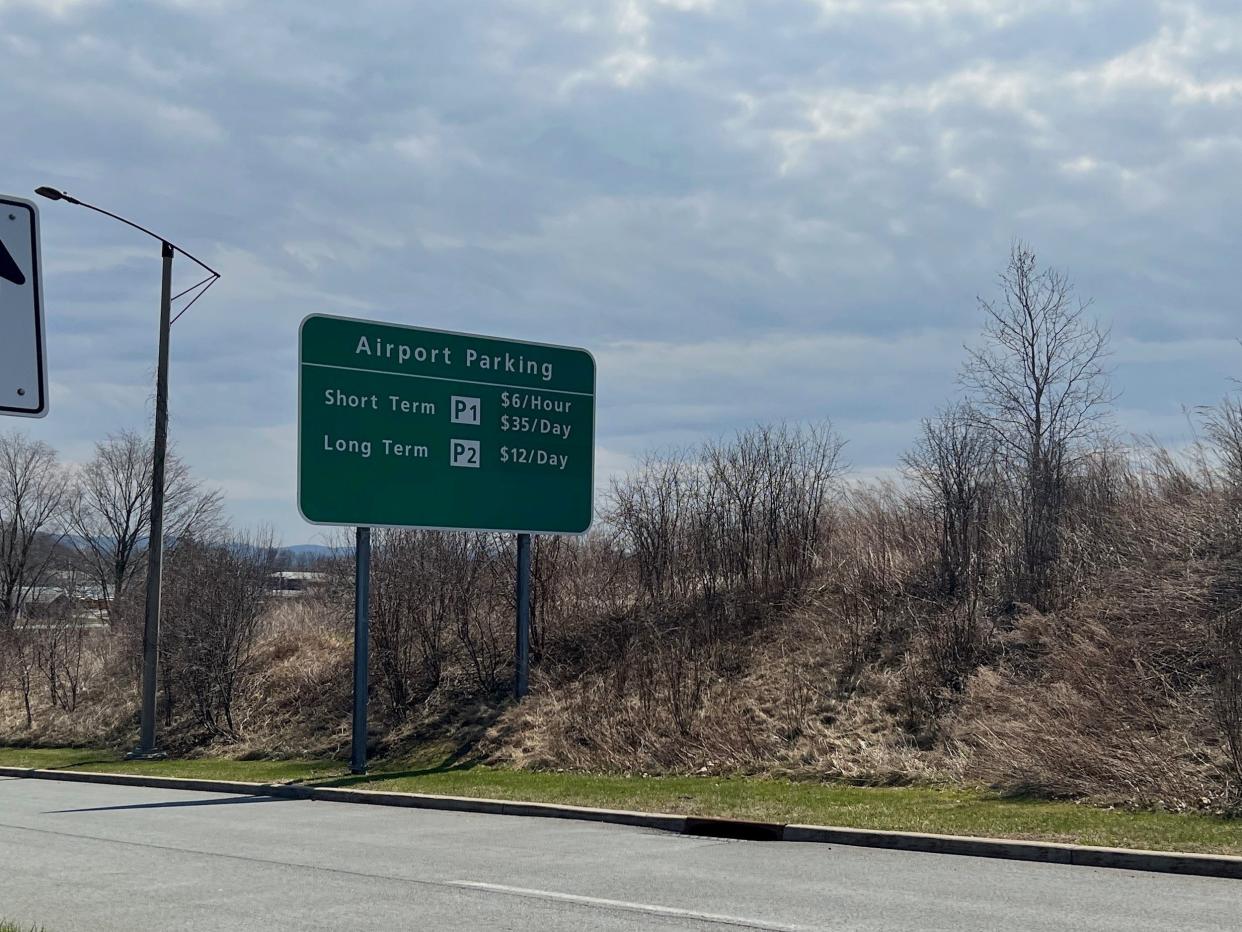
(649, 909)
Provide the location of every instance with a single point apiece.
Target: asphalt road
(87, 858)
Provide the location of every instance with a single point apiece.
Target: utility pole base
(140, 754)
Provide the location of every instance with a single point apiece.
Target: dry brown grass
(855, 665)
(298, 703)
(1115, 697)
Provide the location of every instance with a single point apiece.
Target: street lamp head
(53, 195)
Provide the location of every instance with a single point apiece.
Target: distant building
(292, 584)
(82, 604)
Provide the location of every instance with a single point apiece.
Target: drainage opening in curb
(733, 828)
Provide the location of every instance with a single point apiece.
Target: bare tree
(214, 608)
(419, 580)
(953, 464)
(33, 498)
(19, 658)
(766, 490)
(741, 514)
(651, 506)
(1040, 382)
(110, 515)
(1224, 429)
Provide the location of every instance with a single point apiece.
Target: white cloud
(55, 8)
(752, 211)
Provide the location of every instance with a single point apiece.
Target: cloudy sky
(777, 209)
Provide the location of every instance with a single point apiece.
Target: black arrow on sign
(8, 267)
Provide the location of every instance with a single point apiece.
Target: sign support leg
(362, 591)
(521, 678)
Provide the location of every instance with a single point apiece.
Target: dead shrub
(1228, 695)
(211, 618)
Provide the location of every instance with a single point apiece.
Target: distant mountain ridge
(308, 554)
(297, 553)
(313, 550)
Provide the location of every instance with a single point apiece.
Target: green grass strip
(943, 810)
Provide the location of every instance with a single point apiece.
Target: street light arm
(56, 195)
(159, 453)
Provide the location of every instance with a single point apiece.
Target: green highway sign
(409, 427)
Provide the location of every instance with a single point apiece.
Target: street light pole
(155, 541)
(159, 454)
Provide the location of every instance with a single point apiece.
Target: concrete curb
(661, 822)
(1164, 862)
(1204, 865)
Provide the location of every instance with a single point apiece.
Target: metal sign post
(411, 427)
(362, 596)
(521, 676)
(23, 352)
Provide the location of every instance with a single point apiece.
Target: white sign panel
(23, 358)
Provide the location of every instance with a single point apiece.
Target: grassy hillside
(1034, 607)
